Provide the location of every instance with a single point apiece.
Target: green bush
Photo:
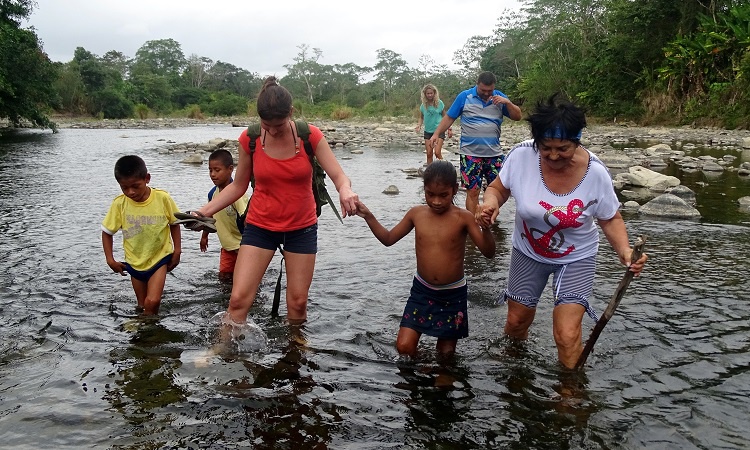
(194, 112)
(111, 104)
(186, 96)
(142, 111)
(252, 109)
(374, 108)
(342, 113)
(225, 104)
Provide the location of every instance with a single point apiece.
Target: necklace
(294, 136)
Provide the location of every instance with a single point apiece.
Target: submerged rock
(669, 206)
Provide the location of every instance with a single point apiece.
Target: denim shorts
(304, 241)
(145, 275)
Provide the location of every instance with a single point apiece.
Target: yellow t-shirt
(226, 222)
(145, 227)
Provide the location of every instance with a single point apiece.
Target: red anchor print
(550, 243)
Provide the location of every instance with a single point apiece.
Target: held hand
(204, 243)
(117, 267)
(348, 200)
(449, 133)
(362, 210)
(486, 215)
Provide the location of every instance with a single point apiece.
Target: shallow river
(78, 368)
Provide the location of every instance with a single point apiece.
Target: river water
(79, 369)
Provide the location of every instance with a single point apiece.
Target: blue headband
(559, 133)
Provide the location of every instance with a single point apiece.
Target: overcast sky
(263, 36)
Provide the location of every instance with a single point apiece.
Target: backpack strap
(211, 193)
(303, 131)
(253, 132)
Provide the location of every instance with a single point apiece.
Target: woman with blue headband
(560, 190)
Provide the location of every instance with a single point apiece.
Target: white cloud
(264, 36)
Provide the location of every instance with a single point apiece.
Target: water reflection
(144, 373)
(670, 369)
(439, 403)
(279, 408)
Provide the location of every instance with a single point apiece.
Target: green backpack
(319, 175)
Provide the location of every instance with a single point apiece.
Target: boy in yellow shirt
(151, 242)
(220, 168)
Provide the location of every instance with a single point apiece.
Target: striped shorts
(573, 283)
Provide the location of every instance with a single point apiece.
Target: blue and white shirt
(480, 123)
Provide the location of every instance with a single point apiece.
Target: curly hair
(435, 100)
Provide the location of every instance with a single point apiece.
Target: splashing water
(245, 337)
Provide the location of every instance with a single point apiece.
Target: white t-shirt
(553, 228)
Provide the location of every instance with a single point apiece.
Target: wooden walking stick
(614, 302)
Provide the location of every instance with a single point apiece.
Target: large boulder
(616, 160)
(684, 193)
(639, 176)
(669, 206)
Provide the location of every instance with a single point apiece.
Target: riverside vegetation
(649, 61)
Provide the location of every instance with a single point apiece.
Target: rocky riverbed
(400, 131)
(634, 154)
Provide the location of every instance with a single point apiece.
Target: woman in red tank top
(282, 208)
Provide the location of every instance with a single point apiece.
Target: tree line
(653, 61)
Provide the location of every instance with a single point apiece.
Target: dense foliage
(668, 61)
(26, 73)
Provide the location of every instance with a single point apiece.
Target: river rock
(217, 143)
(391, 190)
(711, 166)
(194, 158)
(744, 203)
(642, 177)
(746, 142)
(684, 193)
(616, 160)
(669, 206)
(658, 150)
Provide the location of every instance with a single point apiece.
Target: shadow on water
(143, 374)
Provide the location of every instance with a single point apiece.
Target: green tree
(307, 69)
(70, 89)
(152, 90)
(344, 79)
(117, 62)
(26, 73)
(391, 69)
(162, 57)
(469, 56)
(112, 104)
(198, 69)
(223, 76)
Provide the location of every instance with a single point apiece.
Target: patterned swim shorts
(474, 168)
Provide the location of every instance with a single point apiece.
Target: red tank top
(283, 198)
